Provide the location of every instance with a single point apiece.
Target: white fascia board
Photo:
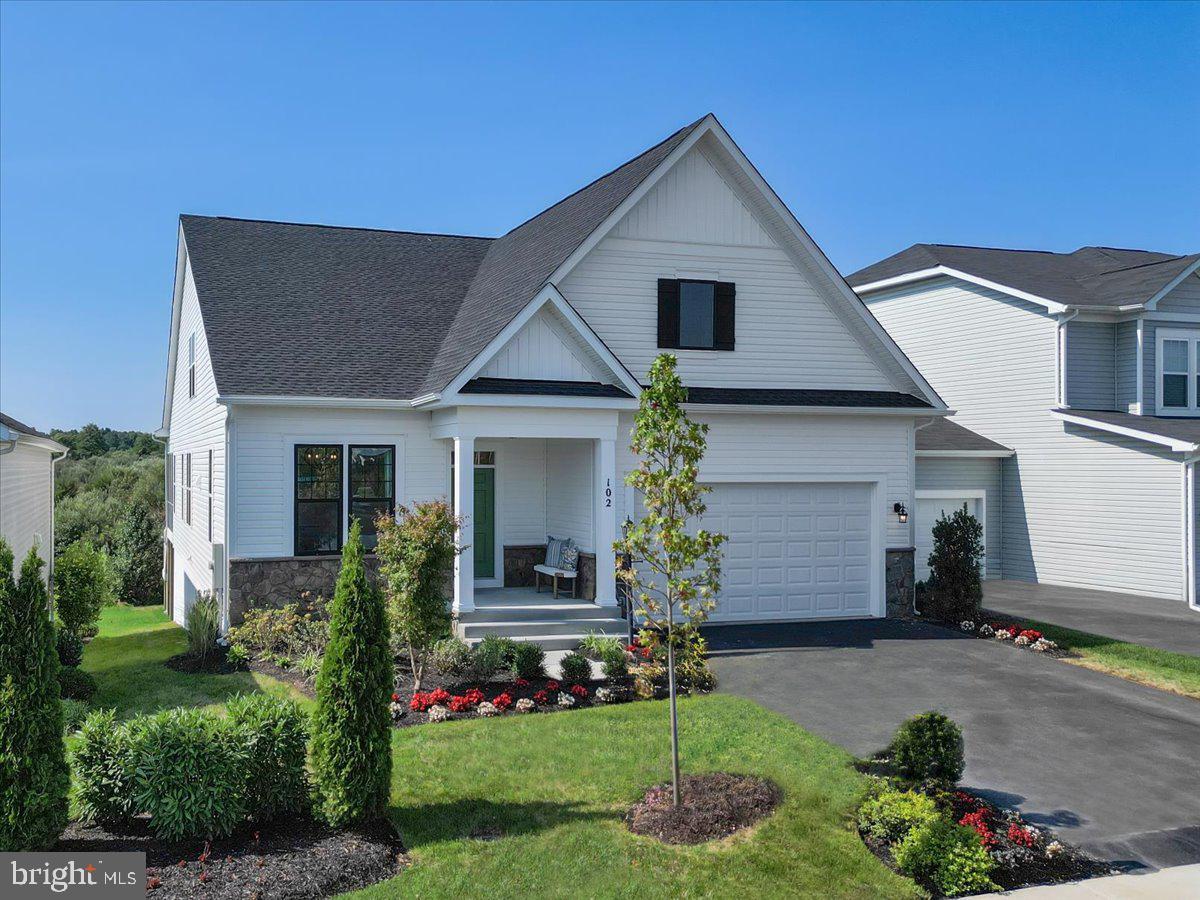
(967, 454)
(945, 271)
(1179, 445)
(32, 440)
(181, 263)
(751, 409)
(1152, 303)
(549, 295)
(543, 401)
(331, 402)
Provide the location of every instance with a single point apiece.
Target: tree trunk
(674, 711)
(416, 671)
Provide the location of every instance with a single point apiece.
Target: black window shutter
(723, 304)
(668, 313)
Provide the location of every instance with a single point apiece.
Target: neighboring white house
(318, 373)
(27, 459)
(1086, 365)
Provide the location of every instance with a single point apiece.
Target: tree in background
(137, 557)
(416, 554)
(675, 585)
(83, 584)
(93, 495)
(954, 591)
(351, 745)
(33, 766)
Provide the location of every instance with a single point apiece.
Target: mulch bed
(711, 807)
(293, 859)
(217, 664)
(998, 621)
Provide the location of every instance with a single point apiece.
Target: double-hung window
(1177, 379)
(187, 489)
(372, 488)
(318, 514)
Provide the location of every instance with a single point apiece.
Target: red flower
(522, 682)
(646, 653)
(154, 882)
(631, 648)
(552, 685)
(203, 877)
(439, 695)
(1032, 635)
(460, 703)
(502, 701)
(579, 691)
(474, 696)
(979, 821)
(395, 698)
(1019, 835)
(420, 702)
(541, 698)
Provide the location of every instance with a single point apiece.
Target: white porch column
(464, 510)
(604, 468)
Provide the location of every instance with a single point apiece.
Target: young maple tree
(674, 586)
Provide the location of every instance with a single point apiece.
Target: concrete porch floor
(526, 615)
(1150, 621)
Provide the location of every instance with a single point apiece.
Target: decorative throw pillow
(554, 549)
(570, 557)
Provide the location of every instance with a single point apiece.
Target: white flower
(398, 711)
(1021, 640)
(1003, 635)
(486, 709)
(966, 625)
(1042, 645)
(605, 695)
(438, 713)
(1053, 849)
(565, 700)
(986, 630)
(526, 705)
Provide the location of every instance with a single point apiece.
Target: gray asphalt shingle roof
(944, 434)
(14, 425)
(315, 310)
(1090, 276)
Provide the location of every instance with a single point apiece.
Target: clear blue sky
(1046, 126)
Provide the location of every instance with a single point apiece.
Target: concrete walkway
(1166, 884)
(1151, 621)
(1108, 764)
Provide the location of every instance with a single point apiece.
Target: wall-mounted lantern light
(901, 512)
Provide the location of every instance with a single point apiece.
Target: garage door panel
(811, 561)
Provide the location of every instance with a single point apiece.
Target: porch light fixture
(901, 512)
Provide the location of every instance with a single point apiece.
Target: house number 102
(608, 492)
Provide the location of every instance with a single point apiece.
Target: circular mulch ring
(711, 807)
(285, 860)
(213, 664)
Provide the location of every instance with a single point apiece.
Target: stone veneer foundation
(276, 581)
(519, 560)
(900, 581)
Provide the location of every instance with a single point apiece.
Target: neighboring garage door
(929, 510)
(795, 551)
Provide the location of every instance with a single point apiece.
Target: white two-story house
(322, 373)
(1086, 365)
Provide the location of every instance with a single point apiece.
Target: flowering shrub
(1021, 641)
(397, 708)
(552, 685)
(487, 710)
(1042, 645)
(565, 700)
(541, 698)
(1032, 634)
(1003, 634)
(579, 691)
(419, 702)
(606, 695)
(502, 701)
(1020, 834)
(967, 625)
(460, 703)
(1053, 849)
(980, 821)
(438, 714)
(986, 630)
(440, 696)
(474, 696)
(522, 682)
(525, 705)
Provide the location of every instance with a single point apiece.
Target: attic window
(695, 315)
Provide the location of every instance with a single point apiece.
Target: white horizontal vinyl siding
(569, 512)
(1125, 372)
(692, 224)
(264, 438)
(1080, 508)
(1090, 370)
(946, 474)
(27, 502)
(197, 426)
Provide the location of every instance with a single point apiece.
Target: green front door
(485, 523)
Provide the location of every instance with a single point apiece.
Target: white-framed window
(1177, 371)
(192, 365)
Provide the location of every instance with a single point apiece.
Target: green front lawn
(548, 791)
(1162, 669)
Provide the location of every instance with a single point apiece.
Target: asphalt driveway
(1111, 765)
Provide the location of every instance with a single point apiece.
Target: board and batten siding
(569, 512)
(1090, 369)
(1080, 507)
(692, 224)
(544, 349)
(27, 501)
(197, 426)
(970, 475)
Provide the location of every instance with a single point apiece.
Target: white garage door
(929, 510)
(795, 551)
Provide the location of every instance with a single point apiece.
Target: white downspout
(1060, 355)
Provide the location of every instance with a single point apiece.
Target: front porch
(524, 615)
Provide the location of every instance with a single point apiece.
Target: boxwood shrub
(928, 747)
(576, 669)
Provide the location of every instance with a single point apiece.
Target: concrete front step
(541, 612)
(577, 628)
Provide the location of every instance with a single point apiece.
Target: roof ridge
(1156, 262)
(599, 178)
(471, 237)
(997, 249)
